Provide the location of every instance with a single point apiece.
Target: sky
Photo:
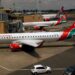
(38, 4)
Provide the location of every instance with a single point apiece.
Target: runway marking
(58, 69)
(4, 68)
(53, 69)
(12, 69)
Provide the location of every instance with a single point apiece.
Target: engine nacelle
(47, 19)
(36, 27)
(15, 46)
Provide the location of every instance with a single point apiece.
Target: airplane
(35, 39)
(42, 24)
(48, 17)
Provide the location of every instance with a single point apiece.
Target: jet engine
(36, 27)
(47, 19)
(15, 46)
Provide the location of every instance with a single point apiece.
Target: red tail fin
(67, 34)
(70, 28)
(58, 22)
(62, 9)
(64, 17)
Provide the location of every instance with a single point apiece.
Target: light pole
(14, 6)
(38, 3)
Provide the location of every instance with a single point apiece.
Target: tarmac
(57, 55)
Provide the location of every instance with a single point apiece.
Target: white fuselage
(39, 23)
(46, 36)
(49, 16)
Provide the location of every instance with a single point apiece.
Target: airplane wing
(34, 43)
(39, 23)
(35, 24)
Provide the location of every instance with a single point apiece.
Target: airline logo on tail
(62, 19)
(68, 33)
(62, 9)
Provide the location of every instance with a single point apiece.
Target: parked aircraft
(35, 39)
(48, 17)
(42, 24)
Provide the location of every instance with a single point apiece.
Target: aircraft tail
(72, 27)
(64, 17)
(68, 33)
(60, 20)
(62, 9)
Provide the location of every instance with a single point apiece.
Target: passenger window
(7, 37)
(17, 36)
(3, 37)
(22, 37)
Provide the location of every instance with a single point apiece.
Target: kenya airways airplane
(32, 40)
(48, 17)
(39, 25)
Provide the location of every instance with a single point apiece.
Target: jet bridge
(15, 26)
